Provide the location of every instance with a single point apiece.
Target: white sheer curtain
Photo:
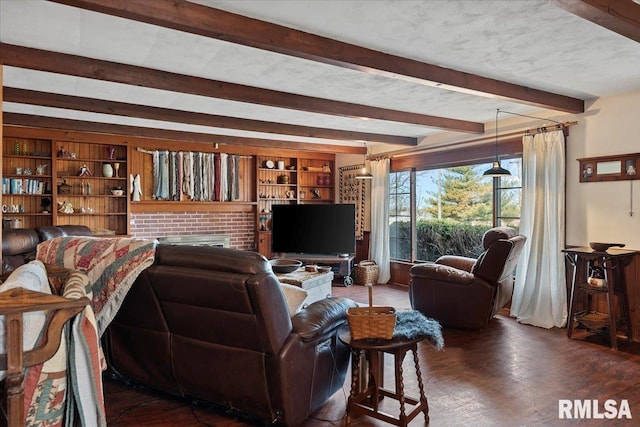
(540, 295)
(379, 239)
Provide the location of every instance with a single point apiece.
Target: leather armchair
(466, 293)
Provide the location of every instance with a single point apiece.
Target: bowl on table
(602, 247)
(283, 265)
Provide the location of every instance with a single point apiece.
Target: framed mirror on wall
(609, 168)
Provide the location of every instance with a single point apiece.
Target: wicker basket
(371, 322)
(365, 272)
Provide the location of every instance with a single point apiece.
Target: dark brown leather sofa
(466, 293)
(212, 324)
(19, 244)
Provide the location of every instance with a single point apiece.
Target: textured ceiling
(532, 43)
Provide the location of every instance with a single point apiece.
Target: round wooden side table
(366, 399)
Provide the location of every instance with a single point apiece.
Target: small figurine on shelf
(41, 169)
(84, 171)
(111, 151)
(62, 152)
(65, 207)
(316, 193)
(134, 187)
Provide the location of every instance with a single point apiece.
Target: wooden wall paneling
(362, 248)
(400, 272)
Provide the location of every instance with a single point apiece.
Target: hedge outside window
(449, 209)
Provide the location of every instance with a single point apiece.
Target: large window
(448, 210)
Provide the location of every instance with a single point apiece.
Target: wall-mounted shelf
(27, 180)
(299, 180)
(610, 168)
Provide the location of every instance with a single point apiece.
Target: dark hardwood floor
(505, 375)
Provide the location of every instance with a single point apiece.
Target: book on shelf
(23, 186)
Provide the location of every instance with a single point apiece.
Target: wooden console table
(613, 262)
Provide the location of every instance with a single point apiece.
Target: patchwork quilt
(112, 265)
(67, 389)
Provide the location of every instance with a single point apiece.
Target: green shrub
(438, 237)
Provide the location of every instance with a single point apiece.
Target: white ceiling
(528, 42)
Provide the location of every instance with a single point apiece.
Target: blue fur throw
(413, 324)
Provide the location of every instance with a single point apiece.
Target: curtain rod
(418, 150)
(146, 151)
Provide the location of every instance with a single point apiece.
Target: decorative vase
(107, 170)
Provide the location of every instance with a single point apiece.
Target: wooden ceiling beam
(620, 16)
(214, 23)
(55, 62)
(32, 97)
(28, 120)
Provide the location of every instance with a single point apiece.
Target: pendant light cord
(524, 115)
(497, 112)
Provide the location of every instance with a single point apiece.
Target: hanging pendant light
(364, 174)
(496, 170)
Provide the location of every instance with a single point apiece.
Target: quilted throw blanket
(112, 265)
(67, 388)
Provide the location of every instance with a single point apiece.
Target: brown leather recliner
(466, 293)
(212, 324)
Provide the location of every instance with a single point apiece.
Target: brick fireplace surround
(238, 225)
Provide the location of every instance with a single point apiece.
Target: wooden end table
(613, 261)
(366, 400)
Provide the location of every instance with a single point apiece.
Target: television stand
(340, 264)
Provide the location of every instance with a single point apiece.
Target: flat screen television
(314, 229)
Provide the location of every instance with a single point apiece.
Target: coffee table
(317, 284)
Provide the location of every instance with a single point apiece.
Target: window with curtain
(445, 211)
